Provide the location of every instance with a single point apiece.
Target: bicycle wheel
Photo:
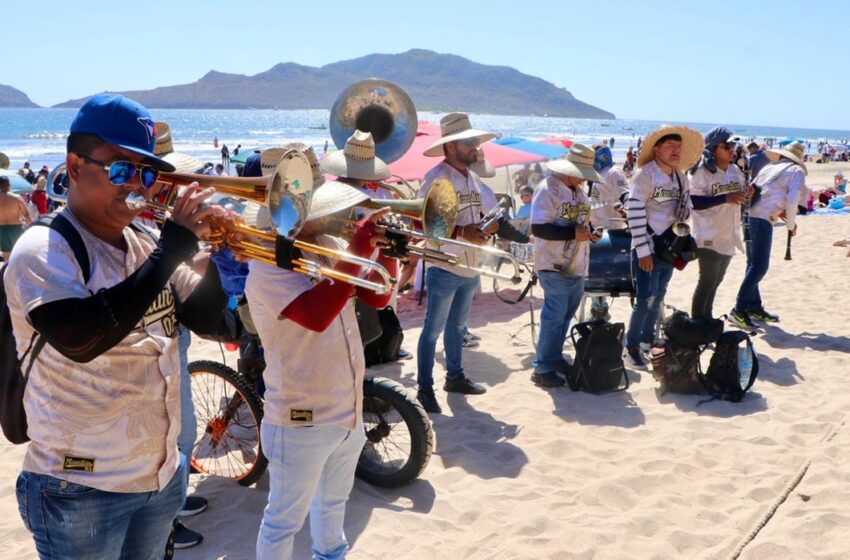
(229, 414)
(399, 437)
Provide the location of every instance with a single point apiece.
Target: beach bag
(386, 347)
(733, 367)
(14, 372)
(598, 364)
(685, 332)
(677, 369)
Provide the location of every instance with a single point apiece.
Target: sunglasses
(470, 142)
(728, 145)
(122, 172)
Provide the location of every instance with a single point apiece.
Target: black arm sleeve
(509, 232)
(82, 329)
(703, 202)
(203, 311)
(552, 232)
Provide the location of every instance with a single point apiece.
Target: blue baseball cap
(122, 122)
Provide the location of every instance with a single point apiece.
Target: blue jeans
(188, 420)
(561, 298)
(449, 300)
(758, 261)
(311, 469)
(69, 520)
(650, 289)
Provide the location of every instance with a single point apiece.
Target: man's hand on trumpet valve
(190, 212)
(472, 234)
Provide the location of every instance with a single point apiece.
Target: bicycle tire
(399, 436)
(228, 447)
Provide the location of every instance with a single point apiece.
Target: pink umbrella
(557, 141)
(412, 166)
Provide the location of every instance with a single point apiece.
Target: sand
(522, 472)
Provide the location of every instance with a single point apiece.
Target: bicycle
(399, 436)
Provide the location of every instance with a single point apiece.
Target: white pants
(311, 469)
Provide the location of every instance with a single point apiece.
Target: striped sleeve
(636, 207)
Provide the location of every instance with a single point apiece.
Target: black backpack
(598, 364)
(733, 367)
(13, 378)
(686, 332)
(385, 348)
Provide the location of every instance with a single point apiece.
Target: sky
(770, 63)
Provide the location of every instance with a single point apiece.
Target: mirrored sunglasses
(122, 172)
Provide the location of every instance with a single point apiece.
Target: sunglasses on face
(728, 145)
(471, 142)
(122, 172)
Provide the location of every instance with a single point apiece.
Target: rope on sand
(798, 477)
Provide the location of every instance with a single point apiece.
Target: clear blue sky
(777, 63)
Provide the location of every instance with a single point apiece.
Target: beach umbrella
(790, 139)
(546, 151)
(412, 166)
(559, 141)
(244, 154)
(19, 184)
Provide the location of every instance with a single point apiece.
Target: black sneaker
(428, 401)
(185, 537)
(404, 354)
(762, 315)
(470, 340)
(192, 506)
(464, 385)
(547, 379)
(741, 319)
(634, 358)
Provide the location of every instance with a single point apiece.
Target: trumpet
(437, 213)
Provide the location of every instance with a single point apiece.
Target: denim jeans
(650, 289)
(311, 469)
(712, 269)
(449, 300)
(561, 298)
(188, 420)
(758, 261)
(71, 521)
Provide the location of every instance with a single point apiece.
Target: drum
(610, 271)
(523, 252)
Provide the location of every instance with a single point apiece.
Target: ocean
(38, 135)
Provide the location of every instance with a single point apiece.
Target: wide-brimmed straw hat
(482, 167)
(357, 160)
(4, 161)
(692, 145)
(794, 151)
(164, 148)
(163, 145)
(333, 197)
(454, 127)
(577, 162)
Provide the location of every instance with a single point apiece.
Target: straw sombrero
(333, 197)
(692, 145)
(183, 163)
(577, 162)
(357, 160)
(4, 161)
(454, 127)
(482, 167)
(794, 151)
(163, 145)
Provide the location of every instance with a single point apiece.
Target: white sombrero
(577, 162)
(164, 148)
(482, 167)
(454, 127)
(794, 151)
(333, 197)
(357, 160)
(692, 145)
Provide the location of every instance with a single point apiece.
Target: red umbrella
(557, 141)
(412, 166)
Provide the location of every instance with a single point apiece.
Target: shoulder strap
(59, 223)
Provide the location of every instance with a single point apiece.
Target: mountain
(437, 82)
(11, 97)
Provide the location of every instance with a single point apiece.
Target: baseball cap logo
(150, 127)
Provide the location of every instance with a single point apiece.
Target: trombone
(286, 193)
(437, 213)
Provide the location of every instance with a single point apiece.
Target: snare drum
(610, 271)
(523, 252)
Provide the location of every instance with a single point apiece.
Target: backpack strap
(59, 223)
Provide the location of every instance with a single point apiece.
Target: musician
(658, 197)
(560, 224)
(606, 208)
(450, 290)
(357, 165)
(103, 474)
(312, 429)
(781, 184)
(717, 193)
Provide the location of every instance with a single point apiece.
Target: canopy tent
(412, 166)
(19, 185)
(545, 151)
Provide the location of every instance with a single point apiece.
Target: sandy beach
(522, 472)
